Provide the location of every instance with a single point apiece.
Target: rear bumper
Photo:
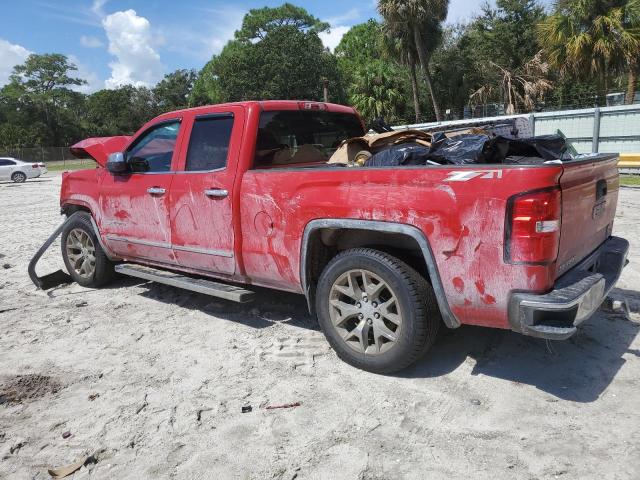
(575, 296)
(34, 173)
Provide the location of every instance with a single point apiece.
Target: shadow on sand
(579, 369)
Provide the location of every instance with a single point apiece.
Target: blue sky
(115, 42)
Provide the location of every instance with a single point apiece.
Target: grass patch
(70, 165)
(630, 180)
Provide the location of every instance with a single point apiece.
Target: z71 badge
(466, 175)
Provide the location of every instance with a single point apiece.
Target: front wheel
(85, 260)
(19, 177)
(377, 312)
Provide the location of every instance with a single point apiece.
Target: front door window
(153, 151)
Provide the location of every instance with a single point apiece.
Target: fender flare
(415, 233)
(81, 203)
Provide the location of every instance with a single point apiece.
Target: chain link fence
(51, 156)
(554, 101)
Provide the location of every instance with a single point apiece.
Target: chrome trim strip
(182, 248)
(148, 243)
(205, 251)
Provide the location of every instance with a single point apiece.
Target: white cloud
(10, 56)
(340, 24)
(97, 7)
(90, 42)
(131, 43)
(347, 17)
(332, 38)
(206, 35)
(83, 72)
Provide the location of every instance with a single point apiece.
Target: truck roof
(269, 105)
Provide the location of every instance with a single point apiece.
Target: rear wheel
(19, 177)
(85, 260)
(376, 311)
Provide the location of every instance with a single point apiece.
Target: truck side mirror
(117, 164)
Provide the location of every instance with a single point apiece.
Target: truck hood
(99, 148)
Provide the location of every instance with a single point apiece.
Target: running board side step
(200, 285)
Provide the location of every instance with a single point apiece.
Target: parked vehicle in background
(245, 193)
(19, 171)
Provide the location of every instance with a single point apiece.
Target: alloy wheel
(365, 311)
(19, 177)
(81, 253)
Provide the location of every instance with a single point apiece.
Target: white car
(18, 171)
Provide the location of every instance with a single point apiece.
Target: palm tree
(421, 21)
(376, 92)
(523, 86)
(594, 37)
(402, 50)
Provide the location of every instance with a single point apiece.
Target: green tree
(378, 92)
(477, 54)
(401, 49)
(594, 38)
(361, 45)
(206, 88)
(522, 87)
(506, 34)
(422, 19)
(121, 111)
(40, 89)
(276, 54)
(172, 92)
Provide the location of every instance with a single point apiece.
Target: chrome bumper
(575, 296)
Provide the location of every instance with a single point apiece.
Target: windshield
(294, 137)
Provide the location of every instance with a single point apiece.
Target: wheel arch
(71, 207)
(324, 238)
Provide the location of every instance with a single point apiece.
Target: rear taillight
(35, 165)
(533, 227)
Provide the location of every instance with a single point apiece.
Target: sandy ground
(150, 381)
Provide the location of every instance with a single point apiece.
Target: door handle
(156, 191)
(216, 193)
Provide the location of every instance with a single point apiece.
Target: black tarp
(473, 149)
(409, 153)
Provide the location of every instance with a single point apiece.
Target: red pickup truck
(216, 199)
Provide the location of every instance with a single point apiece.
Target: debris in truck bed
(347, 151)
(472, 146)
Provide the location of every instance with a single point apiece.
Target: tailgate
(589, 198)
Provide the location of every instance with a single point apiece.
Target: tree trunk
(424, 63)
(632, 81)
(414, 86)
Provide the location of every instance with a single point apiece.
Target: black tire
(19, 177)
(421, 317)
(104, 268)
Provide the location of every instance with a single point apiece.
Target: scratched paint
(463, 221)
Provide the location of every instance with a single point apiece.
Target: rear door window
(295, 137)
(6, 163)
(209, 143)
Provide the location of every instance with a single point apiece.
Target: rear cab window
(302, 137)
